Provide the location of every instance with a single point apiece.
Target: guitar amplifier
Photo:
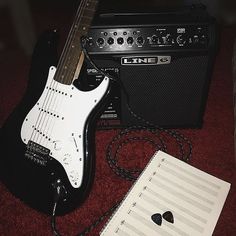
(164, 60)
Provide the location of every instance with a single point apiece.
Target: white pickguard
(60, 125)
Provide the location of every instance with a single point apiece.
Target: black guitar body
(33, 183)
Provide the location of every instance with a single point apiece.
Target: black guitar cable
(57, 196)
(128, 135)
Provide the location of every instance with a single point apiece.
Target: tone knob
(67, 159)
(57, 145)
(74, 177)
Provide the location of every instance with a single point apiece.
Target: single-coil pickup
(39, 131)
(58, 91)
(50, 113)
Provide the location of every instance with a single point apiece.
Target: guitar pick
(156, 218)
(168, 216)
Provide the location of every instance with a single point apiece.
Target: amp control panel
(147, 38)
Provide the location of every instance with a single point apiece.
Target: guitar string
(48, 126)
(87, 6)
(57, 93)
(36, 131)
(68, 74)
(49, 115)
(65, 73)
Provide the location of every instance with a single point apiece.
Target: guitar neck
(70, 56)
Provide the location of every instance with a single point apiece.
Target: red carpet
(213, 152)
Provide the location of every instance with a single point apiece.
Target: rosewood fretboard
(71, 53)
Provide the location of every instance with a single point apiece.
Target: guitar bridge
(37, 153)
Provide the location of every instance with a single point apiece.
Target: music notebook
(195, 199)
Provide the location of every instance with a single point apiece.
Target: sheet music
(168, 184)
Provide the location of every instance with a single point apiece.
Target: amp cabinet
(164, 61)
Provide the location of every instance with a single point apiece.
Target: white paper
(194, 197)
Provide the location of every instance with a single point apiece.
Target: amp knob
(203, 39)
(130, 40)
(110, 41)
(100, 42)
(181, 39)
(168, 39)
(140, 40)
(120, 40)
(154, 39)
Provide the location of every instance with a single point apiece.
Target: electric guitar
(49, 138)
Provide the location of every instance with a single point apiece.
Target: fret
(90, 9)
(72, 51)
(86, 20)
(91, 4)
(83, 26)
(71, 61)
(70, 64)
(87, 17)
(92, 1)
(88, 12)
